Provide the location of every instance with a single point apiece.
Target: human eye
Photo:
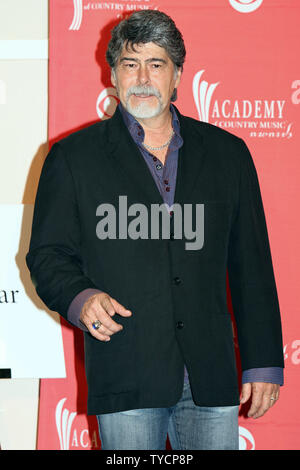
(130, 65)
(156, 65)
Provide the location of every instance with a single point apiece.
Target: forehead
(144, 51)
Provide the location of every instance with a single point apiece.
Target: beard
(143, 110)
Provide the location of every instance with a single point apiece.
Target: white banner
(30, 335)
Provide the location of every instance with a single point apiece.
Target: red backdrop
(242, 74)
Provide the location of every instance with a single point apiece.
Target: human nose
(143, 74)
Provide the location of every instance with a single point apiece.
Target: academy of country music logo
(77, 18)
(262, 118)
(70, 437)
(106, 103)
(245, 6)
(291, 352)
(120, 7)
(202, 93)
(64, 420)
(246, 440)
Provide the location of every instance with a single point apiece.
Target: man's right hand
(102, 307)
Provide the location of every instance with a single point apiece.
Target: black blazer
(177, 296)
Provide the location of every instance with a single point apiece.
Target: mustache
(143, 90)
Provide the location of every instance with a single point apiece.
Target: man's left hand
(261, 393)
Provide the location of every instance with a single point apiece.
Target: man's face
(145, 80)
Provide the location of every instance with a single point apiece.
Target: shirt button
(166, 181)
(167, 188)
(154, 158)
(180, 324)
(177, 280)
(171, 213)
(158, 166)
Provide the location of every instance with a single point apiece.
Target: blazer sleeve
(251, 277)
(54, 259)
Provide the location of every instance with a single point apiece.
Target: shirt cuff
(272, 375)
(76, 305)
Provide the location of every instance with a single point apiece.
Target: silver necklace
(162, 146)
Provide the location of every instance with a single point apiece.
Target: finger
(257, 397)
(246, 393)
(98, 308)
(265, 405)
(103, 335)
(272, 401)
(119, 308)
(96, 333)
(268, 391)
(88, 316)
(275, 394)
(272, 391)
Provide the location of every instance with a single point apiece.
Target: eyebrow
(152, 59)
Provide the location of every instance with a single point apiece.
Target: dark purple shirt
(165, 179)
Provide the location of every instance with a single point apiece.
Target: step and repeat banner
(241, 74)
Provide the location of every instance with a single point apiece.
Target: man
(159, 349)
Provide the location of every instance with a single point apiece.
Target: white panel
(23, 129)
(18, 413)
(30, 335)
(23, 49)
(2, 92)
(23, 19)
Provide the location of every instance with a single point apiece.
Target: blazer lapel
(190, 158)
(132, 168)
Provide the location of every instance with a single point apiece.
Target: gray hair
(147, 26)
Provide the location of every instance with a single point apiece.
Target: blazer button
(177, 280)
(172, 236)
(180, 324)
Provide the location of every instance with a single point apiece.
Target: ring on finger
(96, 324)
